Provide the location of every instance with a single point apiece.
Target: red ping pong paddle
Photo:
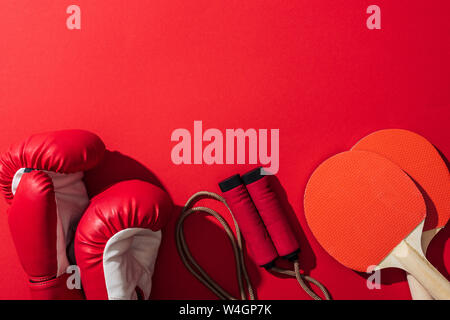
(365, 211)
(423, 163)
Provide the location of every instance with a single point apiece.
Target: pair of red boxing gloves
(114, 237)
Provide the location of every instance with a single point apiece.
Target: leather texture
(32, 222)
(133, 211)
(54, 289)
(64, 151)
(42, 179)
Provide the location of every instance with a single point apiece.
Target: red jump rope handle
(272, 213)
(258, 242)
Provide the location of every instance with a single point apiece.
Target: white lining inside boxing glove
(71, 202)
(129, 261)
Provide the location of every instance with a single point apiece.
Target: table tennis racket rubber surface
(422, 162)
(366, 212)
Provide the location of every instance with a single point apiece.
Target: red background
(137, 70)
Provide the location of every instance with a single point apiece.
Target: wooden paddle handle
(419, 267)
(418, 292)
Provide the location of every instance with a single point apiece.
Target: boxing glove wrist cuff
(54, 289)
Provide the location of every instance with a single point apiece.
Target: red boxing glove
(117, 240)
(42, 180)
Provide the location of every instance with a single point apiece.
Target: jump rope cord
(188, 259)
(301, 280)
(241, 271)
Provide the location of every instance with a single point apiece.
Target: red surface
(138, 70)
